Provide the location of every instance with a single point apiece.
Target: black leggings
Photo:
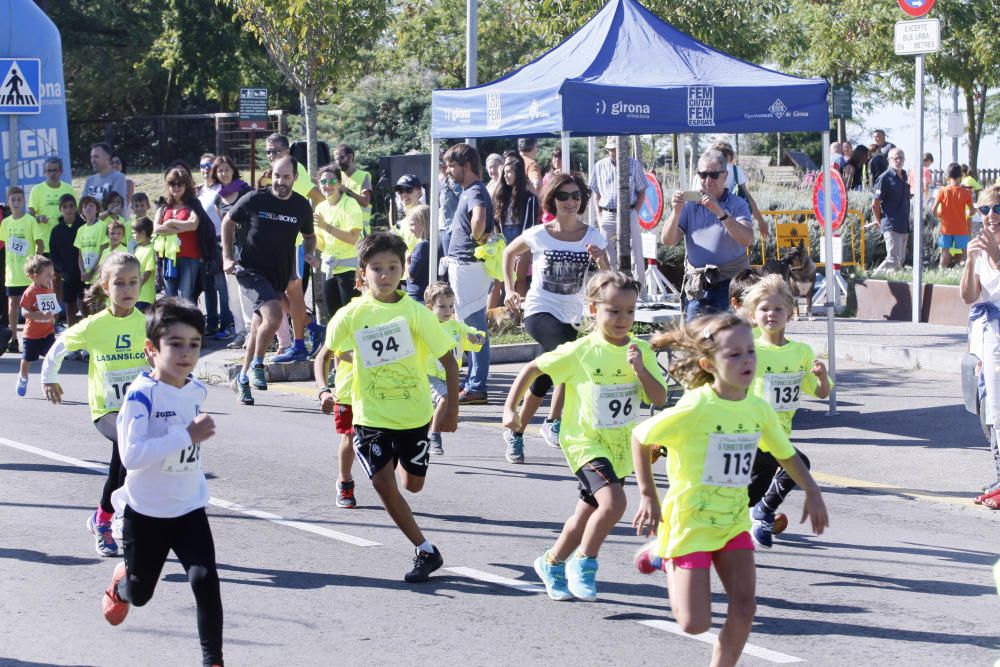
(107, 425)
(338, 291)
(550, 332)
(147, 542)
(769, 481)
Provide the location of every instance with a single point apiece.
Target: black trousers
(147, 541)
(550, 332)
(769, 481)
(338, 291)
(107, 426)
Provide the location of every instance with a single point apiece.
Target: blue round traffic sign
(838, 199)
(652, 208)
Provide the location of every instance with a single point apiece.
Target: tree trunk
(624, 212)
(974, 115)
(309, 109)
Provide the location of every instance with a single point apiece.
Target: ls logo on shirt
(123, 342)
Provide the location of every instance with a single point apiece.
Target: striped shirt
(604, 181)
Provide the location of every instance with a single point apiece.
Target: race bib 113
(729, 459)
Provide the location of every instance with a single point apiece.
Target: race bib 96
(615, 404)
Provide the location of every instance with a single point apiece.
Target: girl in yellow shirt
(711, 436)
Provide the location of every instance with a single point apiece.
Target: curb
(942, 360)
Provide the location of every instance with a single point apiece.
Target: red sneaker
(115, 609)
(780, 523)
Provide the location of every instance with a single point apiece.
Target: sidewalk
(895, 344)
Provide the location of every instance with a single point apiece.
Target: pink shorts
(702, 560)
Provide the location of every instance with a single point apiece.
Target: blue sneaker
(22, 385)
(515, 446)
(762, 526)
(290, 355)
(582, 574)
(554, 578)
(315, 335)
(223, 334)
(257, 378)
(106, 545)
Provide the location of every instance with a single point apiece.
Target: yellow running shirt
(147, 262)
(18, 235)
(117, 356)
(712, 443)
(459, 332)
(89, 239)
(784, 373)
(345, 216)
(391, 343)
(342, 383)
(122, 248)
(357, 183)
(602, 398)
(44, 200)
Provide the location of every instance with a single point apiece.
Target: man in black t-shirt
(274, 217)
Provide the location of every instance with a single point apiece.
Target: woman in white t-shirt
(561, 253)
(981, 289)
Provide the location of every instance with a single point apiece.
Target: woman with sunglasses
(177, 218)
(561, 252)
(981, 289)
(717, 230)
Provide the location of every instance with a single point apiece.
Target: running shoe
(223, 334)
(423, 564)
(582, 574)
(345, 495)
(237, 342)
(211, 330)
(554, 578)
(257, 377)
(437, 446)
(515, 446)
(466, 397)
(242, 389)
(762, 526)
(84, 355)
(12, 346)
(22, 385)
(105, 541)
(315, 335)
(647, 561)
(550, 432)
(780, 524)
(115, 609)
(290, 355)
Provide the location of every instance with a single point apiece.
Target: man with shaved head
(269, 220)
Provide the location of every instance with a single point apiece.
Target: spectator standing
(357, 182)
(855, 171)
(450, 192)
(218, 315)
(494, 165)
(418, 270)
(891, 207)
(604, 185)
(66, 257)
(953, 206)
(717, 232)
(472, 226)
(43, 202)
(410, 191)
(879, 159)
(837, 159)
(736, 183)
(177, 218)
(549, 175)
(104, 179)
(118, 164)
(528, 149)
(231, 188)
(339, 223)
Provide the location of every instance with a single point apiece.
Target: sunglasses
(561, 195)
(175, 184)
(328, 181)
(406, 190)
(206, 165)
(710, 174)
(273, 151)
(985, 210)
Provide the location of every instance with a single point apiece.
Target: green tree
(313, 43)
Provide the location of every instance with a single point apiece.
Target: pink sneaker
(647, 561)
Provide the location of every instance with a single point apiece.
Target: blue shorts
(954, 241)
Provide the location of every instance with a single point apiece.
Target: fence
(855, 239)
(155, 141)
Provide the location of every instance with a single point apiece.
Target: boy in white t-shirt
(160, 432)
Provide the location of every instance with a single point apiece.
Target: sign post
(834, 205)
(253, 117)
(915, 38)
(20, 93)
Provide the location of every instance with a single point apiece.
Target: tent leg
(567, 156)
(435, 197)
(591, 144)
(831, 280)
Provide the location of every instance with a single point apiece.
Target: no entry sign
(838, 199)
(652, 208)
(916, 7)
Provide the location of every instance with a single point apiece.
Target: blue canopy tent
(628, 72)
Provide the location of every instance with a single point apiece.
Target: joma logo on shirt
(165, 414)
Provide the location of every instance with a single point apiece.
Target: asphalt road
(903, 576)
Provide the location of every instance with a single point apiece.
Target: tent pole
(681, 163)
(591, 143)
(567, 156)
(831, 280)
(435, 197)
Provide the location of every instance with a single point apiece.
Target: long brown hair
(517, 193)
(177, 175)
(694, 341)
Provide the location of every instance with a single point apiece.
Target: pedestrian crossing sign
(20, 85)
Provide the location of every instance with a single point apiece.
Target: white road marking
(218, 502)
(495, 579)
(709, 638)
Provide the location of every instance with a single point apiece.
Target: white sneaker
(550, 432)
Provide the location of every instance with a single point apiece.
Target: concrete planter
(892, 300)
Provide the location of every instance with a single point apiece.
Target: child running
(160, 432)
(606, 374)
(391, 336)
(40, 307)
(711, 435)
(440, 298)
(114, 338)
(785, 370)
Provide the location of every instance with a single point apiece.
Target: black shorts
(378, 447)
(257, 289)
(35, 348)
(16, 291)
(594, 476)
(72, 289)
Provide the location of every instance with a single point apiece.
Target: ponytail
(693, 341)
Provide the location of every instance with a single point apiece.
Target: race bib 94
(782, 390)
(616, 404)
(385, 343)
(729, 459)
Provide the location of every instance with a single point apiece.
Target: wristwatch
(724, 216)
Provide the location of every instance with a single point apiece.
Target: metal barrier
(788, 234)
